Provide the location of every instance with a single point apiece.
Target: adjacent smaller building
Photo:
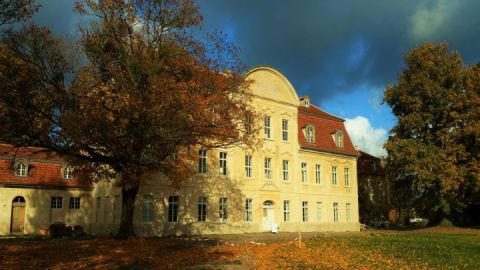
(38, 188)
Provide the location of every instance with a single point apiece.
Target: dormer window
(67, 172)
(338, 137)
(310, 134)
(21, 169)
(305, 101)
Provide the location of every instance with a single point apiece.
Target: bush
(57, 229)
(78, 230)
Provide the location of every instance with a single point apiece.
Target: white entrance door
(268, 216)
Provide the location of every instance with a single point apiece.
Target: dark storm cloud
(327, 47)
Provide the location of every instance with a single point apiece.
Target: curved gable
(269, 83)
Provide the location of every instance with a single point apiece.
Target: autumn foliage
(146, 90)
(434, 149)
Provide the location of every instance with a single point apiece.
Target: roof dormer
(305, 101)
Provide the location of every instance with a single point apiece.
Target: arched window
(21, 169)
(310, 134)
(18, 199)
(67, 172)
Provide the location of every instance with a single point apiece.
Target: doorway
(18, 215)
(268, 215)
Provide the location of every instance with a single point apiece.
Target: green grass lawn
(437, 251)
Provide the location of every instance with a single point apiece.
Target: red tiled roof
(44, 168)
(325, 125)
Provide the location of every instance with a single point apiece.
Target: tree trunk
(128, 206)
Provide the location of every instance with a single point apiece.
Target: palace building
(302, 178)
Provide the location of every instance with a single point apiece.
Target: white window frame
(21, 169)
(67, 172)
(334, 176)
(335, 212)
(248, 210)
(202, 209)
(285, 174)
(148, 208)
(74, 203)
(173, 209)
(304, 170)
(248, 166)
(222, 209)
(310, 134)
(285, 130)
(319, 211)
(347, 212)
(202, 161)
(318, 174)
(223, 163)
(268, 168)
(286, 210)
(346, 175)
(339, 139)
(56, 202)
(267, 127)
(304, 211)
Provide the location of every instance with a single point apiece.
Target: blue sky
(342, 53)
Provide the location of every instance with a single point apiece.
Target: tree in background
(12, 11)
(433, 152)
(149, 94)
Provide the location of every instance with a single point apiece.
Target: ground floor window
(222, 209)
(172, 208)
(347, 212)
(74, 203)
(286, 211)
(319, 211)
(248, 210)
(305, 211)
(148, 207)
(335, 212)
(202, 209)
(56, 202)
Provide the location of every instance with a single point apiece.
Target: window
(67, 172)
(20, 169)
(304, 211)
(248, 166)
(347, 212)
(284, 129)
(248, 124)
(268, 168)
(223, 163)
(74, 203)
(248, 210)
(310, 134)
(335, 212)
(56, 202)
(267, 125)
(347, 177)
(285, 170)
(286, 211)
(202, 209)
(304, 172)
(317, 174)
(339, 139)
(172, 208)
(148, 208)
(202, 161)
(222, 209)
(334, 175)
(319, 211)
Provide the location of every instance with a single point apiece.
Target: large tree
(433, 151)
(12, 11)
(151, 91)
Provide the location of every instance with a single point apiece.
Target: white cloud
(366, 137)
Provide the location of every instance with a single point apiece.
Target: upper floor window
(202, 161)
(223, 163)
(346, 176)
(21, 169)
(268, 168)
(285, 129)
(248, 124)
(267, 126)
(310, 134)
(334, 175)
(285, 170)
(339, 139)
(317, 173)
(304, 172)
(67, 172)
(248, 166)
